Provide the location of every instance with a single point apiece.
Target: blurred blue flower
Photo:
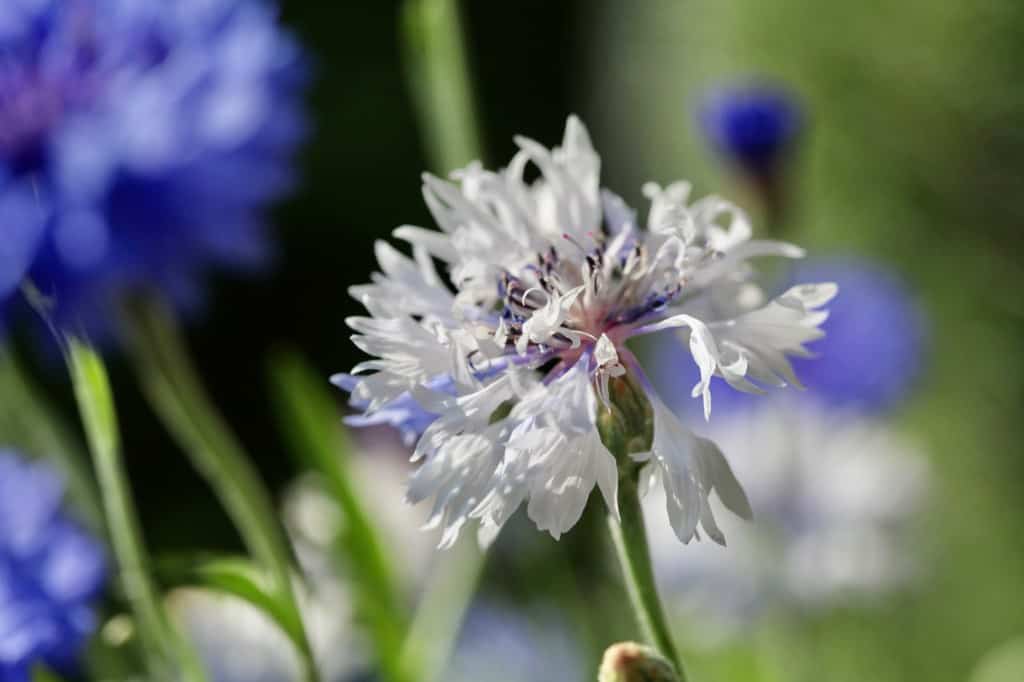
(875, 341)
(751, 126)
(51, 570)
(140, 142)
(872, 353)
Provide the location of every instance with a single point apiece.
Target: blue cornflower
(751, 126)
(140, 142)
(872, 353)
(51, 570)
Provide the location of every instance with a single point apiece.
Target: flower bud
(626, 423)
(632, 662)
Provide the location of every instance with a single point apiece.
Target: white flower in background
(523, 345)
(239, 643)
(837, 496)
(379, 471)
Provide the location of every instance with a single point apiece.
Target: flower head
(548, 280)
(51, 570)
(139, 142)
(751, 126)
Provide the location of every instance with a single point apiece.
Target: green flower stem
(165, 648)
(438, 77)
(172, 386)
(630, 539)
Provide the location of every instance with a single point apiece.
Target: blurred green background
(914, 156)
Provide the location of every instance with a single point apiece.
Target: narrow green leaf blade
(30, 424)
(312, 425)
(236, 576)
(163, 645)
(173, 387)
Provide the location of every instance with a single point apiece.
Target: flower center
(565, 305)
(29, 105)
(40, 84)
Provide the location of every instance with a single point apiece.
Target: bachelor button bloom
(139, 142)
(51, 571)
(548, 280)
(873, 351)
(753, 126)
(838, 498)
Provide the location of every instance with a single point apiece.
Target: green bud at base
(626, 423)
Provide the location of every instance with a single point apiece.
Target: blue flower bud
(752, 127)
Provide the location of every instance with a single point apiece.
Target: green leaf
(1004, 663)
(172, 385)
(30, 424)
(237, 576)
(163, 645)
(312, 426)
(41, 673)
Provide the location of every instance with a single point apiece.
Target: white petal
(754, 344)
(606, 472)
(724, 481)
(604, 351)
(690, 468)
(436, 243)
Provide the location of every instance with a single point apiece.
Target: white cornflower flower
(525, 350)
